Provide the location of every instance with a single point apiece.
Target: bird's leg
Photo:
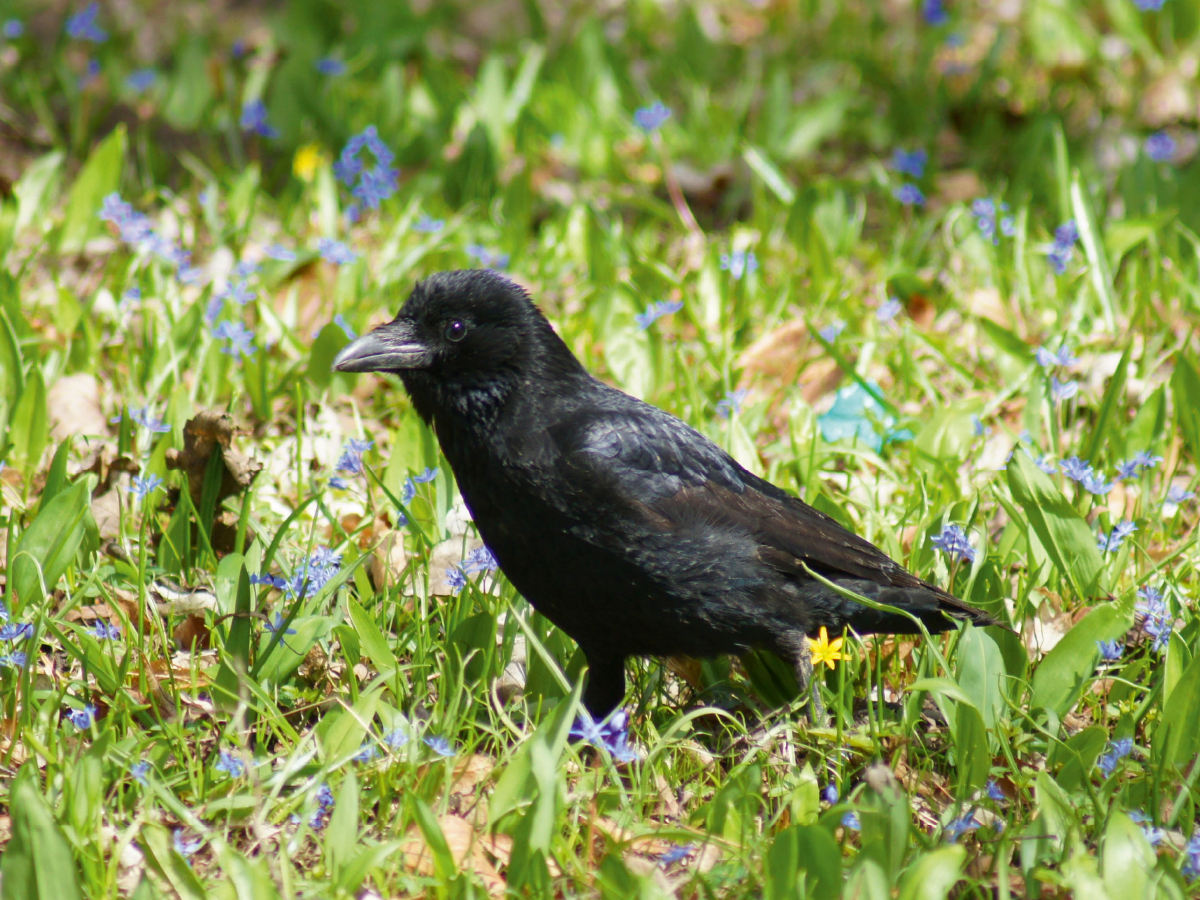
(797, 652)
(605, 688)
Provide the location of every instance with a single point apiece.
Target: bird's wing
(646, 469)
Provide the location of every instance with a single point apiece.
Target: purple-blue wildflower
(105, 631)
(1191, 851)
(956, 828)
(1160, 146)
(82, 718)
(993, 791)
(438, 745)
(143, 485)
(954, 542)
(978, 426)
(910, 163)
(227, 762)
(455, 579)
(1062, 250)
(934, 13)
(1075, 468)
(335, 252)
(1115, 752)
(82, 25)
(141, 80)
(829, 793)
(273, 626)
(140, 772)
(612, 734)
(1048, 359)
(330, 65)
(1062, 390)
(13, 660)
(239, 292)
(1110, 651)
(479, 560)
(675, 854)
(831, 331)
(488, 258)
(1094, 483)
(656, 311)
(732, 403)
(909, 195)
(851, 821)
(279, 252)
(16, 631)
(12, 29)
(254, 119)
(427, 225)
(651, 118)
(739, 263)
(186, 843)
(369, 185)
(1177, 495)
(986, 212)
(1112, 542)
(90, 74)
(239, 336)
(888, 310)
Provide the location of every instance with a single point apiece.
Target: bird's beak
(394, 347)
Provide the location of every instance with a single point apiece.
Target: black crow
(629, 530)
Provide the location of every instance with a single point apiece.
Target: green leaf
(804, 861)
(1093, 246)
(373, 643)
(1113, 396)
(1127, 859)
(50, 543)
(36, 863)
(162, 859)
(1070, 667)
(33, 188)
(775, 180)
(250, 878)
(235, 660)
(934, 874)
(1063, 533)
(435, 839)
(100, 176)
(971, 745)
(341, 837)
(1177, 737)
(329, 344)
(1185, 384)
(1075, 757)
(981, 674)
(29, 429)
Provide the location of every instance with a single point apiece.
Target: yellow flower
(824, 650)
(306, 161)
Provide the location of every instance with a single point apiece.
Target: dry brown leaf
(778, 353)
(388, 559)
(958, 186)
(466, 849)
(73, 406)
(207, 432)
(471, 771)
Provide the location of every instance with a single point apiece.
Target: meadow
(935, 268)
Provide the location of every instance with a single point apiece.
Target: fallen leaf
(466, 849)
(73, 406)
(208, 432)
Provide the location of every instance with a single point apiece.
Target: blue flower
(986, 212)
(675, 854)
(350, 461)
(1120, 531)
(1127, 470)
(438, 745)
(851, 821)
(651, 118)
(956, 828)
(245, 269)
(829, 793)
(479, 560)
(427, 476)
(359, 446)
(977, 426)
(326, 557)
(954, 542)
(1115, 752)
(909, 195)
(656, 311)
(1146, 460)
(395, 739)
(144, 417)
(831, 331)
(612, 734)
(934, 13)
(82, 26)
(1191, 850)
(888, 310)
(1048, 359)
(732, 403)
(1075, 468)
(141, 80)
(90, 74)
(487, 258)
(239, 337)
(340, 484)
(370, 186)
(12, 29)
(1094, 483)
(408, 492)
(105, 631)
(739, 263)
(993, 791)
(185, 844)
(227, 762)
(910, 163)
(1067, 234)
(139, 771)
(14, 660)
(329, 65)
(456, 579)
(335, 252)
(16, 631)
(254, 119)
(1110, 651)
(366, 753)
(279, 252)
(1062, 250)
(1044, 463)
(272, 580)
(239, 292)
(142, 486)
(1155, 618)
(82, 718)
(273, 626)
(1160, 146)
(1177, 495)
(1062, 390)
(426, 225)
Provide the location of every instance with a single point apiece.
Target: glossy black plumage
(628, 529)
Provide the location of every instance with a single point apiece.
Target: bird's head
(459, 338)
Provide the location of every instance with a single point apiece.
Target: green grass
(217, 724)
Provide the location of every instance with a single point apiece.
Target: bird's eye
(456, 330)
